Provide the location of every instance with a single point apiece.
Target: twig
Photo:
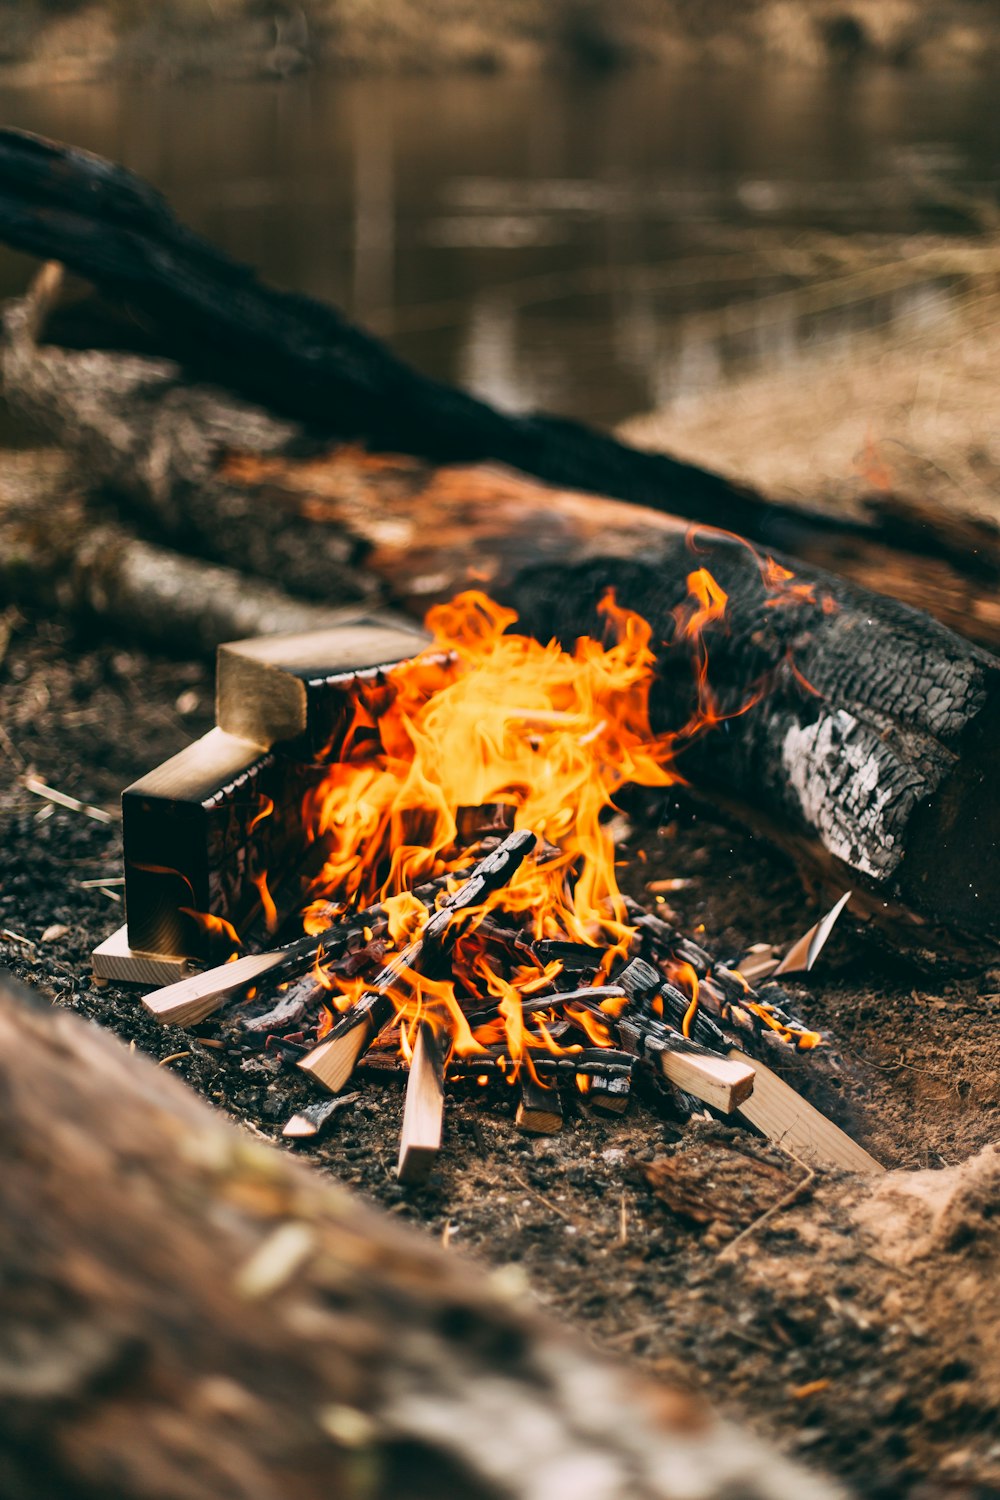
(523, 1182)
(33, 784)
(776, 1208)
(100, 884)
(623, 1223)
(174, 1057)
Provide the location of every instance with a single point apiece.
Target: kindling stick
(333, 1061)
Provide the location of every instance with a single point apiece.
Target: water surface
(572, 243)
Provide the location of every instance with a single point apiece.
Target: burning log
(158, 1345)
(423, 1111)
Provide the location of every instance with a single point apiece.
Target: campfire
(446, 824)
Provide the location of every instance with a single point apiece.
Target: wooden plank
(539, 1110)
(792, 1122)
(423, 1112)
(191, 1000)
(115, 960)
(723, 1082)
(199, 831)
(296, 689)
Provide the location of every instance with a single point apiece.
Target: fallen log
(190, 1314)
(868, 755)
(53, 552)
(318, 375)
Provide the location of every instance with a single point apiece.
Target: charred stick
(539, 1110)
(332, 1062)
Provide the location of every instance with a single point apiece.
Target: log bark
(316, 373)
(189, 1314)
(869, 754)
(54, 552)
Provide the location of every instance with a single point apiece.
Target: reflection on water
(592, 246)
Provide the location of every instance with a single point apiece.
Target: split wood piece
(312, 1119)
(539, 1109)
(785, 1118)
(758, 962)
(723, 1082)
(248, 1383)
(297, 690)
(610, 1092)
(115, 960)
(803, 954)
(423, 1110)
(334, 1060)
(200, 833)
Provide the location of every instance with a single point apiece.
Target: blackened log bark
(870, 752)
(189, 1314)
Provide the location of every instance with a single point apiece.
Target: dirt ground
(855, 1326)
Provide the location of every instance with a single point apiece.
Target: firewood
(778, 1112)
(610, 1092)
(539, 1109)
(723, 1082)
(296, 689)
(312, 1119)
(333, 1061)
(186, 830)
(423, 1110)
(204, 1316)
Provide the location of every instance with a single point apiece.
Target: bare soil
(856, 1326)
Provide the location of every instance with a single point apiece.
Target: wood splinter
(539, 1110)
(423, 1112)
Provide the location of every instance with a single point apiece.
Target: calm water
(551, 242)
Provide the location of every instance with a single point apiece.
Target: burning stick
(610, 1092)
(423, 1112)
(333, 1061)
(539, 1111)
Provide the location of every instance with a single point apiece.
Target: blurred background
(620, 223)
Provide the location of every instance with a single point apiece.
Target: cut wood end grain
(722, 1082)
(333, 1061)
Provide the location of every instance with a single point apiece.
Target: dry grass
(913, 409)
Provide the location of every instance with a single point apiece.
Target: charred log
(319, 375)
(188, 1313)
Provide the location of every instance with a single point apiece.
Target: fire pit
(445, 819)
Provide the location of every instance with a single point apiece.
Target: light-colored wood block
(295, 688)
(722, 1082)
(539, 1110)
(790, 1121)
(115, 960)
(423, 1112)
